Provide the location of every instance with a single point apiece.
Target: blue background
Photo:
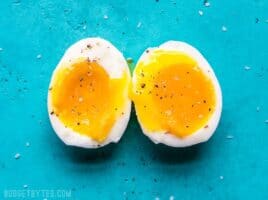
(135, 168)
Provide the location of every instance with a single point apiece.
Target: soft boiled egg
(88, 101)
(176, 94)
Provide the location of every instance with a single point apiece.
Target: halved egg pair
(176, 95)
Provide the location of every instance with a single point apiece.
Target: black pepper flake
(156, 0)
(205, 2)
(144, 106)
(89, 46)
(156, 86)
(52, 113)
(204, 101)
(115, 109)
(187, 126)
(126, 179)
(206, 126)
(50, 89)
(155, 180)
(143, 85)
(147, 51)
(192, 105)
(209, 109)
(257, 20)
(78, 123)
(81, 79)
(122, 113)
(161, 97)
(81, 85)
(142, 74)
(188, 72)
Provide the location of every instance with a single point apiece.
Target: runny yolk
(172, 94)
(86, 99)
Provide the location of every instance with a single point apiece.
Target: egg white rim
(203, 134)
(101, 51)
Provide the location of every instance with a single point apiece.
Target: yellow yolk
(86, 99)
(172, 93)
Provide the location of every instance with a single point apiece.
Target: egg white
(203, 134)
(115, 65)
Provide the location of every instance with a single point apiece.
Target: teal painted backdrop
(135, 168)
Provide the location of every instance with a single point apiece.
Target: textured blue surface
(135, 168)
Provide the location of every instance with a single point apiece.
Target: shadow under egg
(83, 155)
(171, 155)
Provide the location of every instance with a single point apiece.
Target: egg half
(177, 97)
(88, 101)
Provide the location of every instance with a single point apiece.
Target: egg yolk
(86, 99)
(172, 94)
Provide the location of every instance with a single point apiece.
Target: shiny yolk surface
(172, 93)
(86, 99)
